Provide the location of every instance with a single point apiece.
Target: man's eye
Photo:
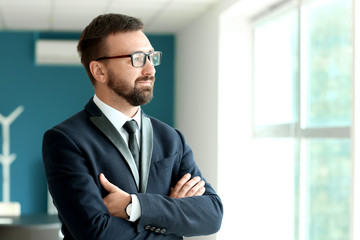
(137, 58)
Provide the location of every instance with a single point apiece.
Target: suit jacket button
(158, 230)
(163, 230)
(152, 229)
(147, 227)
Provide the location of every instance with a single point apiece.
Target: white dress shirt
(118, 119)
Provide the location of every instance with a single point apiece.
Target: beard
(133, 95)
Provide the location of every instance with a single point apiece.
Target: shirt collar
(116, 117)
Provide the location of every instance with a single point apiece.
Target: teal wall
(50, 94)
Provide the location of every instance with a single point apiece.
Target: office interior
(266, 93)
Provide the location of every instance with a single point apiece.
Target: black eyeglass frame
(147, 56)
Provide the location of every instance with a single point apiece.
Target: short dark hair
(91, 44)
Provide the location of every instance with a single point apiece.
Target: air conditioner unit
(56, 52)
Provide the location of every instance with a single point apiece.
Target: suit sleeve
(76, 192)
(191, 216)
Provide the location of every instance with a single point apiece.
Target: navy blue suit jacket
(76, 151)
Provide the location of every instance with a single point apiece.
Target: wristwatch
(128, 209)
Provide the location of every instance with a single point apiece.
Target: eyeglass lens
(139, 59)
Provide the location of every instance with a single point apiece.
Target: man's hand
(117, 200)
(187, 187)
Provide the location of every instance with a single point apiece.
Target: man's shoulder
(164, 131)
(76, 121)
(158, 124)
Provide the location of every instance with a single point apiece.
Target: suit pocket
(166, 162)
(162, 174)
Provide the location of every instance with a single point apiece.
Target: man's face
(134, 84)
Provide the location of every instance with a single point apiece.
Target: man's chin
(142, 98)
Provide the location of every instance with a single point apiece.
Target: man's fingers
(200, 191)
(197, 190)
(187, 187)
(106, 184)
(182, 182)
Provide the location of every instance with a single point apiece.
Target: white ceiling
(161, 16)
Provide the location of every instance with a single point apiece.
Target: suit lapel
(146, 151)
(102, 123)
(105, 126)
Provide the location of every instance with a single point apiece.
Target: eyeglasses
(138, 59)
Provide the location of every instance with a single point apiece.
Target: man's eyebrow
(150, 51)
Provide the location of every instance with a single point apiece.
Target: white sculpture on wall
(6, 158)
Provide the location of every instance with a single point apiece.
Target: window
(302, 96)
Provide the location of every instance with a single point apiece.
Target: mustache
(145, 78)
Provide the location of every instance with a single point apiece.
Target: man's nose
(148, 68)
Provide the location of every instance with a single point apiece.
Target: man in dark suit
(109, 182)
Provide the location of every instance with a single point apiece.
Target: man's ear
(98, 71)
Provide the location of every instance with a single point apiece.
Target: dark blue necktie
(130, 127)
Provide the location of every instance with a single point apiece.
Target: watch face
(128, 209)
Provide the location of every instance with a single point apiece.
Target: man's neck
(119, 104)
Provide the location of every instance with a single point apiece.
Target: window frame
(301, 133)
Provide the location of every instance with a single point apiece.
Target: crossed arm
(84, 217)
(117, 199)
